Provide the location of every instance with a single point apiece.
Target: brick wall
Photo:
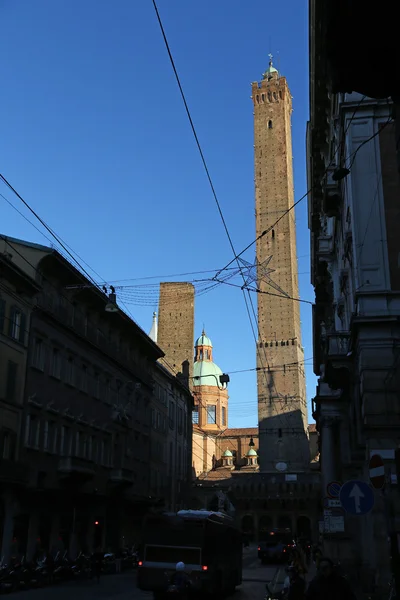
(176, 324)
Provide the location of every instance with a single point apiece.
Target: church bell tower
(282, 403)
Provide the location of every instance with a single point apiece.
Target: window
(27, 429)
(84, 446)
(69, 375)
(172, 414)
(84, 379)
(2, 314)
(6, 446)
(11, 386)
(54, 429)
(77, 443)
(158, 420)
(90, 448)
(33, 432)
(180, 420)
(211, 414)
(56, 364)
(279, 433)
(63, 441)
(38, 354)
(223, 416)
(46, 436)
(16, 327)
(269, 124)
(96, 391)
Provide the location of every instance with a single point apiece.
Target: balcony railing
(338, 344)
(122, 476)
(71, 466)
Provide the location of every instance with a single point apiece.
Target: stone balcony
(338, 344)
(122, 477)
(75, 467)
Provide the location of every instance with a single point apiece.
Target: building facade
(87, 441)
(171, 448)
(17, 291)
(282, 403)
(353, 217)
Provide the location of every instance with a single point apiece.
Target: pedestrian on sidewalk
(297, 586)
(97, 563)
(328, 584)
(118, 561)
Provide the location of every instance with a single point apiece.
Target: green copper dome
(206, 372)
(251, 452)
(203, 340)
(270, 69)
(227, 454)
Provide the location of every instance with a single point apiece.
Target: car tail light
(140, 563)
(284, 549)
(259, 548)
(204, 568)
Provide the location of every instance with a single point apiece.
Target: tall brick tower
(175, 334)
(282, 404)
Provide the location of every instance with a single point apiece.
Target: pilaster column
(8, 527)
(33, 531)
(328, 452)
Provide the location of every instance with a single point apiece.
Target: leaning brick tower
(282, 403)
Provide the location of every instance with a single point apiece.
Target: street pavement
(123, 586)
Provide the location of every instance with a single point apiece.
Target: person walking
(329, 584)
(118, 561)
(97, 563)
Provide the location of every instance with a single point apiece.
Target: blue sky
(95, 137)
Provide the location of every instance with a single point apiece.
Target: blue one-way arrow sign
(357, 498)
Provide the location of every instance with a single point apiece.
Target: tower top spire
(154, 328)
(271, 69)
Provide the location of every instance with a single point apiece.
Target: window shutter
(22, 329)
(11, 320)
(11, 380)
(2, 314)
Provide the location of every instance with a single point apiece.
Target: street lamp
(223, 379)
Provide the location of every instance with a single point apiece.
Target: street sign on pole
(333, 489)
(332, 503)
(357, 498)
(333, 521)
(376, 471)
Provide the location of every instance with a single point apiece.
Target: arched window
(280, 95)
(258, 99)
(275, 96)
(262, 97)
(269, 124)
(273, 233)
